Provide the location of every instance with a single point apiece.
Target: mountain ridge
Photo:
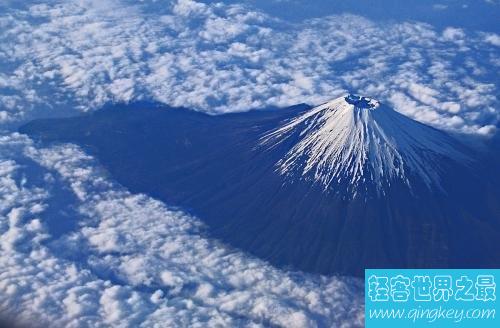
(216, 167)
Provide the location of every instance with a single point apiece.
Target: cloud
(493, 39)
(221, 58)
(453, 34)
(78, 250)
(131, 260)
(439, 6)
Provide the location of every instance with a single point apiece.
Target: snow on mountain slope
(353, 140)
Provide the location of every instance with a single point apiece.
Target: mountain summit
(356, 142)
(347, 185)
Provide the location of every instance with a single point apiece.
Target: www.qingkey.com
(433, 314)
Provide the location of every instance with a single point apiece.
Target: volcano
(347, 185)
(354, 144)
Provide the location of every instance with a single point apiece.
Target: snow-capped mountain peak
(354, 141)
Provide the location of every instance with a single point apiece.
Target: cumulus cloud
(78, 250)
(492, 38)
(132, 261)
(220, 58)
(454, 34)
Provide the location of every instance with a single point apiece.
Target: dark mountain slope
(345, 186)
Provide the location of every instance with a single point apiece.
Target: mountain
(354, 144)
(334, 189)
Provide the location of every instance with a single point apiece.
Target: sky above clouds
(77, 249)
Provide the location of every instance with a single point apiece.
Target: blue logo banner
(432, 298)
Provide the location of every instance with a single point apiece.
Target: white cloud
(453, 34)
(221, 58)
(189, 7)
(131, 260)
(492, 38)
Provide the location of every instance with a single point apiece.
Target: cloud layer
(222, 58)
(78, 250)
(131, 261)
